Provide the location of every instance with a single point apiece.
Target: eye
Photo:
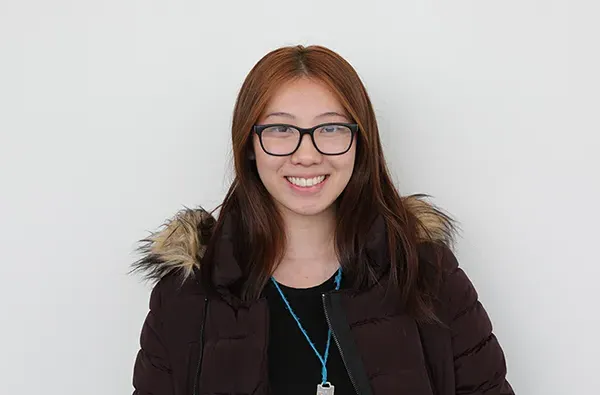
(278, 129)
(330, 128)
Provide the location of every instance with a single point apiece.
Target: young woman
(317, 277)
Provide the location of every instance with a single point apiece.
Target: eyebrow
(291, 116)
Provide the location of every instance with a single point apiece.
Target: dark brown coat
(192, 342)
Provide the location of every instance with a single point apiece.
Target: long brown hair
(370, 192)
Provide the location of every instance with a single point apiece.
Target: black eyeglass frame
(258, 129)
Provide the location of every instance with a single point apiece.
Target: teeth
(306, 182)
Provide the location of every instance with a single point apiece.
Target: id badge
(325, 389)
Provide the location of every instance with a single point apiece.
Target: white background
(115, 114)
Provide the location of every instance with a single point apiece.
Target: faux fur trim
(177, 245)
(180, 243)
(432, 223)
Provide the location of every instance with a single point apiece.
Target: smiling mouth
(307, 182)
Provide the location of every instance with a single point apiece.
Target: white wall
(114, 114)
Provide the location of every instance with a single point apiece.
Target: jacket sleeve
(479, 363)
(152, 371)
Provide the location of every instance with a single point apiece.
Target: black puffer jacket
(196, 343)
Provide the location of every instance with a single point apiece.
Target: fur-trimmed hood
(180, 243)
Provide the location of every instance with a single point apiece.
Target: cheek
(268, 166)
(344, 163)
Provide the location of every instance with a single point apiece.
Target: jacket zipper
(337, 342)
(201, 354)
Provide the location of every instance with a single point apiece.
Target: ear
(251, 155)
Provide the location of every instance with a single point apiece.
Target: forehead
(304, 98)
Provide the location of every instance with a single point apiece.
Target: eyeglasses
(328, 138)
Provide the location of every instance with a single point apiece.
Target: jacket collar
(180, 243)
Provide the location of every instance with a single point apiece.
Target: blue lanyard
(323, 359)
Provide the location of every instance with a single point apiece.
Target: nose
(307, 153)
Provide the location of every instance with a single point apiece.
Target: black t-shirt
(294, 368)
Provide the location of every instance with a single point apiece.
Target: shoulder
(174, 289)
(455, 293)
(177, 309)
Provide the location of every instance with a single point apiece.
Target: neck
(309, 258)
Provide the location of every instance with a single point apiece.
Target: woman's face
(304, 103)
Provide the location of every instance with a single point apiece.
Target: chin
(308, 209)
